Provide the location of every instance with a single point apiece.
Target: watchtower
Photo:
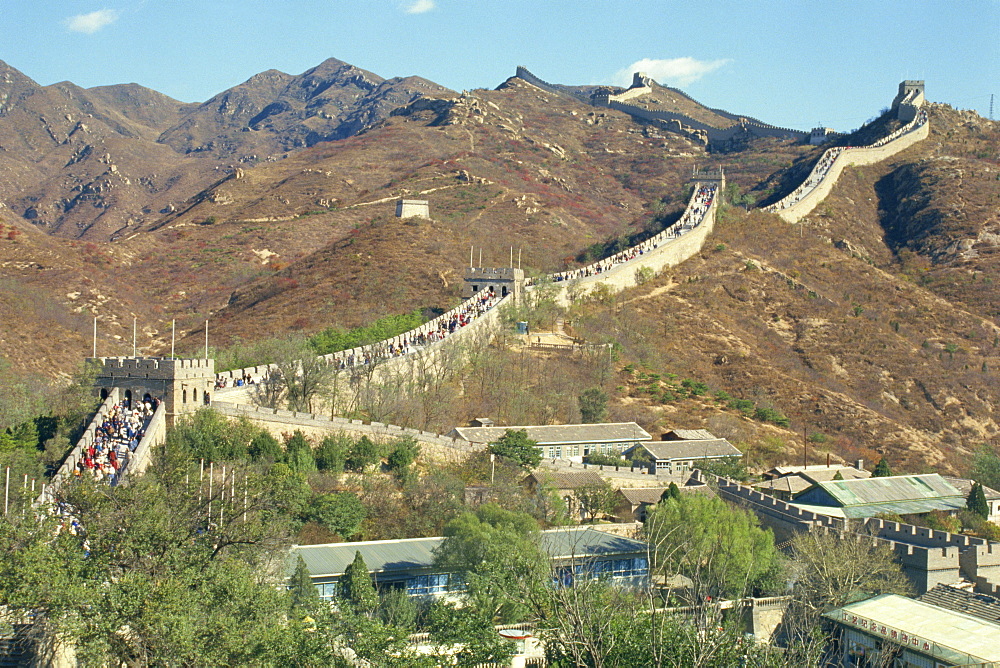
(908, 100)
(412, 208)
(502, 281)
(183, 385)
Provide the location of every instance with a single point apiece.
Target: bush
(763, 414)
(601, 459)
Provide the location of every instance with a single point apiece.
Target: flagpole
(173, 336)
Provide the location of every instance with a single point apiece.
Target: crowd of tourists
(114, 441)
(427, 334)
(222, 381)
(830, 156)
(693, 216)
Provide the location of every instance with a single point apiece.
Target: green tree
(671, 492)
(882, 469)
(404, 451)
(593, 405)
(467, 636)
(515, 446)
(363, 454)
(356, 586)
(721, 547)
(976, 502)
(264, 447)
(596, 499)
(305, 598)
(498, 553)
(299, 453)
(331, 455)
(341, 513)
(986, 466)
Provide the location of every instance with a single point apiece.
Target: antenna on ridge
(991, 106)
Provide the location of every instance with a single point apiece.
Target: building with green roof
(868, 497)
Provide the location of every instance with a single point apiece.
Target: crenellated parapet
(183, 385)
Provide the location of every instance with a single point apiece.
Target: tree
(356, 586)
(671, 492)
(363, 454)
(331, 455)
(264, 447)
(596, 499)
(976, 502)
(882, 469)
(404, 452)
(593, 405)
(497, 552)
(341, 513)
(517, 447)
(299, 453)
(830, 570)
(305, 598)
(986, 466)
(467, 636)
(720, 547)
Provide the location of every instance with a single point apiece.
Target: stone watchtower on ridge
(909, 99)
(183, 385)
(504, 281)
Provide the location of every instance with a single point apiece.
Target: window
(327, 590)
(434, 583)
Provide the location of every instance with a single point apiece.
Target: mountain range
(269, 209)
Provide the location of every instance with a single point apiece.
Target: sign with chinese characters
(875, 628)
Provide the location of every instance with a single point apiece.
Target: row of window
(582, 450)
(441, 583)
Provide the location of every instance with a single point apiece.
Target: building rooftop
(699, 449)
(955, 637)
(968, 602)
(888, 489)
(688, 435)
(407, 554)
(560, 434)
(637, 495)
(964, 486)
(565, 479)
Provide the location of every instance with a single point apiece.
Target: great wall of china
(188, 384)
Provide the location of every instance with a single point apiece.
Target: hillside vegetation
(872, 325)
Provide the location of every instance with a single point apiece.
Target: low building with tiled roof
(674, 453)
(786, 485)
(565, 441)
(964, 601)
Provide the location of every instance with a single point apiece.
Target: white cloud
(672, 71)
(92, 22)
(419, 6)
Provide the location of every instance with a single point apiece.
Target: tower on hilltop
(183, 385)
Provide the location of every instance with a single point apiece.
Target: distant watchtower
(503, 281)
(182, 384)
(908, 100)
(412, 208)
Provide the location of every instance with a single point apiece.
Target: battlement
(708, 174)
(502, 280)
(182, 384)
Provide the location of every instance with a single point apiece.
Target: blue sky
(791, 63)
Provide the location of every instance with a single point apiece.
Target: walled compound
(928, 557)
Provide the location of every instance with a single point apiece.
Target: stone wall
(75, 455)
(434, 447)
(806, 197)
(714, 134)
(927, 557)
(155, 435)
